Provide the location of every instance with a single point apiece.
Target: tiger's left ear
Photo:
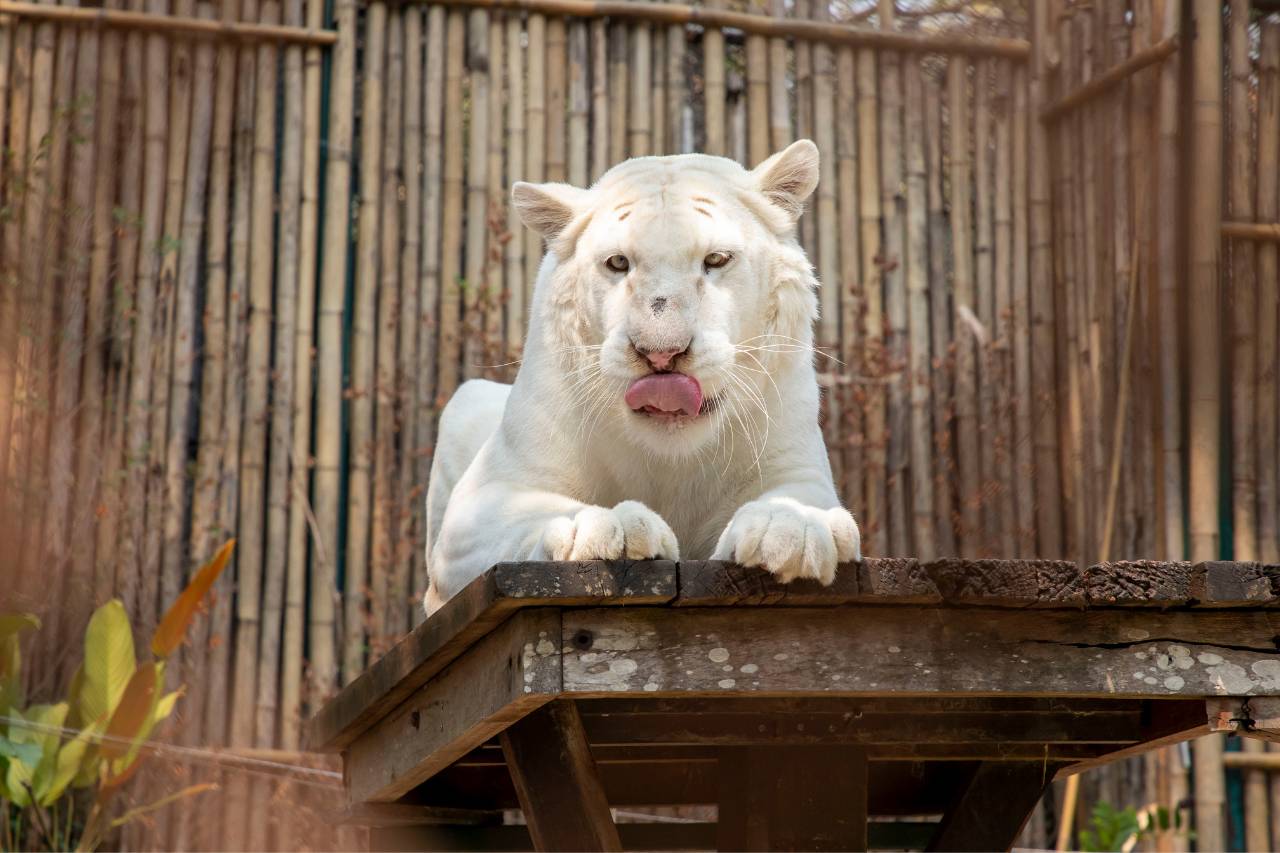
(789, 177)
(547, 208)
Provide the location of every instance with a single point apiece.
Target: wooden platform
(908, 705)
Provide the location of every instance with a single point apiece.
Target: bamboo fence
(249, 250)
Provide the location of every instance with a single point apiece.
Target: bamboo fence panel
(243, 362)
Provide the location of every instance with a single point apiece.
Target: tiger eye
(618, 263)
(715, 260)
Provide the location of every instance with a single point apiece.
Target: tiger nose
(661, 359)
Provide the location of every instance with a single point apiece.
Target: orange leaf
(174, 625)
(132, 712)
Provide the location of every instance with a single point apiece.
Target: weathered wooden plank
(484, 604)
(1166, 723)
(1147, 583)
(792, 798)
(505, 676)
(799, 651)
(895, 580)
(556, 781)
(1008, 583)
(990, 810)
(886, 581)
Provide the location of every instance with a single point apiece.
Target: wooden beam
(407, 814)
(485, 603)
(1147, 583)
(1109, 79)
(792, 798)
(1259, 231)
(1165, 723)
(511, 672)
(990, 810)
(819, 31)
(930, 652)
(555, 778)
(169, 24)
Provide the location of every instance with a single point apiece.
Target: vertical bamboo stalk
(450, 341)
(1023, 457)
(1074, 295)
(18, 39)
(940, 312)
(713, 81)
(1043, 319)
(984, 288)
(302, 75)
(600, 117)
(409, 501)
(1169, 249)
(383, 545)
(875, 510)
(736, 105)
(1268, 310)
(536, 136)
(1095, 311)
(804, 110)
(579, 104)
(677, 90)
(780, 134)
(516, 166)
(429, 298)
(1001, 350)
(477, 231)
(556, 71)
(364, 328)
(323, 603)
(850, 282)
(1205, 359)
(496, 204)
(617, 93)
(917, 311)
(658, 96)
(1243, 297)
(895, 426)
(1257, 828)
(966, 393)
(825, 223)
(9, 304)
(758, 112)
(639, 106)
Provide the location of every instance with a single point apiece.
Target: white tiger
(667, 403)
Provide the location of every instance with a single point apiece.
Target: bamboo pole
(780, 134)
(1242, 296)
(1268, 312)
(429, 298)
(1257, 828)
(758, 112)
(1205, 360)
(639, 104)
(658, 98)
(382, 549)
(617, 95)
(875, 510)
(713, 82)
(803, 75)
(824, 224)
(173, 25)
(292, 693)
(1106, 81)
(410, 506)
(323, 600)
(477, 230)
(966, 389)
(1261, 232)
(449, 357)
(677, 90)
(556, 87)
(515, 247)
(496, 204)
(1098, 399)
(942, 374)
(735, 106)
(599, 117)
(920, 468)
(849, 284)
(717, 16)
(1001, 349)
(1019, 356)
(364, 328)
(991, 486)
(895, 427)
(1043, 319)
(17, 40)
(535, 157)
(579, 106)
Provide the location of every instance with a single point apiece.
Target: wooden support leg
(990, 810)
(556, 781)
(792, 798)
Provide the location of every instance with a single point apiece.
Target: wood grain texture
(510, 673)
(992, 807)
(1027, 583)
(1147, 583)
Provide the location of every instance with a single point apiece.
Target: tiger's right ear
(547, 208)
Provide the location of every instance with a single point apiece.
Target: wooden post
(792, 798)
(988, 813)
(556, 781)
(1205, 360)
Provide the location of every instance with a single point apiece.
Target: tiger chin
(667, 402)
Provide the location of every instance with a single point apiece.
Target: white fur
(558, 467)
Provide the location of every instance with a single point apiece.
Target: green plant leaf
(27, 753)
(177, 620)
(21, 775)
(68, 764)
(109, 662)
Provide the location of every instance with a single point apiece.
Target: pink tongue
(673, 393)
